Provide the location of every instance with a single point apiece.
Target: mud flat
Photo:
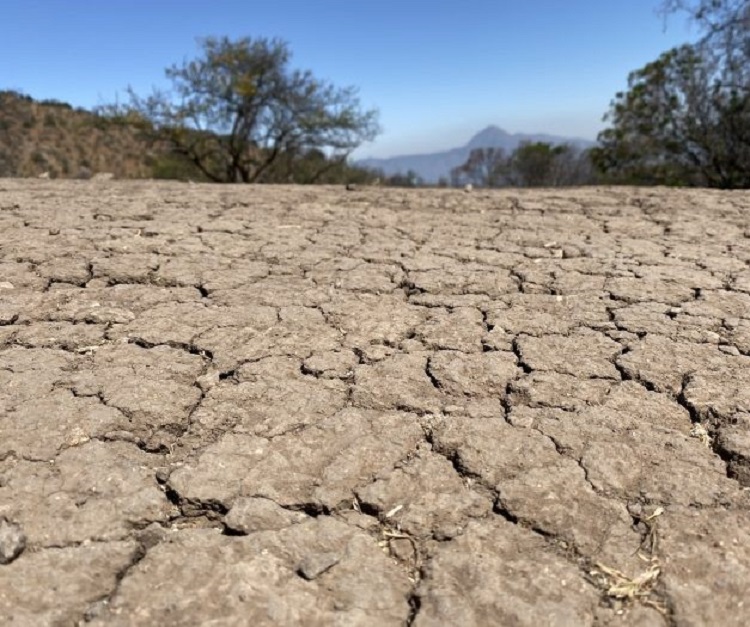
(287, 405)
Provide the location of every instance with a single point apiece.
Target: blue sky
(438, 71)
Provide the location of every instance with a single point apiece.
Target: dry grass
(624, 589)
(700, 432)
(618, 585)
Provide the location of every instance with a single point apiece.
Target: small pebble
(402, 549)
(12, 541)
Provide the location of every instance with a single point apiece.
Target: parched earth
(312, 406)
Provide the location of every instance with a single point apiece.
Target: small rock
(43, 175)
(351, 187)
(635, 509)
(162, 475)
(315, 565)
(207, 381)
(712, 336)
(402, 549)
(103, 176)
(468, 187)
(12, 541)
(249, 515)
(729, 350)
(95, 610)
(731, 323)
(151, 535)
(6, 285)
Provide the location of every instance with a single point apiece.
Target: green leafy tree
(685, 118)
(678, 124)
(538, 164)
(236, 109)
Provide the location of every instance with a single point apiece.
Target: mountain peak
(490, 136)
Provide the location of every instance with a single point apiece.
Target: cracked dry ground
(280, 405)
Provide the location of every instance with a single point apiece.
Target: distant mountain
(432, 166)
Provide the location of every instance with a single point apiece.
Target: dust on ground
(287, 405)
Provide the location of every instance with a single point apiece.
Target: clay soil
(313, 406)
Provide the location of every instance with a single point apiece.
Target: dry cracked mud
(285, 405)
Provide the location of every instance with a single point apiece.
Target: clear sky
(437, 70)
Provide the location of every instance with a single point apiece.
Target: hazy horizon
(457, 138)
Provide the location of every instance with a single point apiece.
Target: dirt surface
(280, 405)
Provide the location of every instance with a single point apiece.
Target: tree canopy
(239, 113)
(725, 20)
(685, 118)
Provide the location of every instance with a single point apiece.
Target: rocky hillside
(54, 138)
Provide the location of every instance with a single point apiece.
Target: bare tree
(483, 168)
(531, 164)
(238, 107)
(712, 16)
(725, 35)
